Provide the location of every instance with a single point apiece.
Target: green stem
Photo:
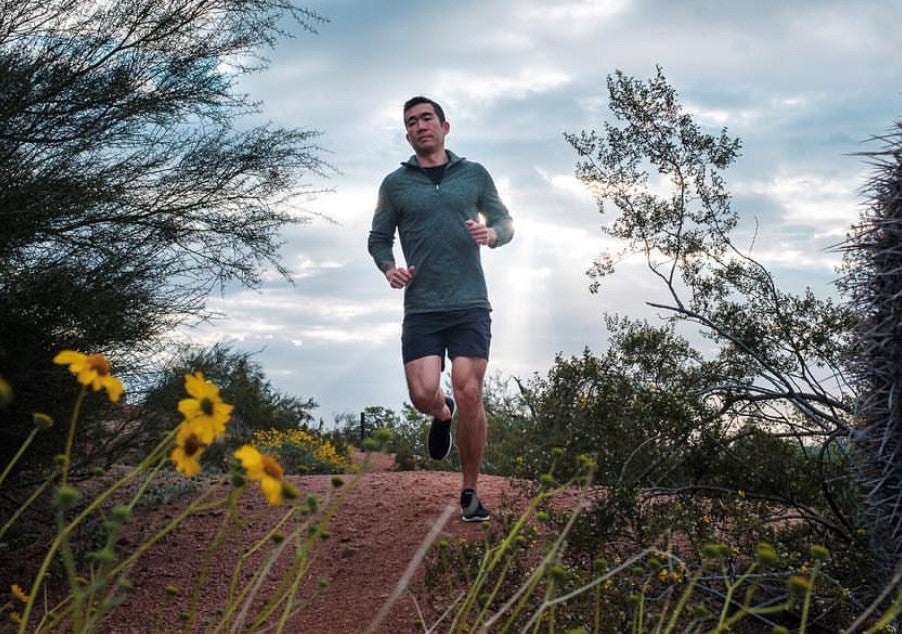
(310, 555)
(194, 507)
(63, 535)
(15, 459)
(503, 548)
(731, 589)
(225, 529)
(71, 574)
(25, 505)
(806, 603)
(70, 438)
(683, 600)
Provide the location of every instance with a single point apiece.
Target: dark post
(362, 428)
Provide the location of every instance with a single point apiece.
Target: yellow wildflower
(188, 448)
(91, 370)
(19, 593)
(205, 406)
(265, 470)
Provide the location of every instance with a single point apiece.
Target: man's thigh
(468, 373)
(424, 374)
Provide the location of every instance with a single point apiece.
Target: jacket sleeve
(382, 234)
(496, 214)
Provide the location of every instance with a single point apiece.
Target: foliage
(633, 409)
(765, 399)
(257, 404)
(133, 182)
(523, 577)
(874, 285)
(301, 452)
(776, 351)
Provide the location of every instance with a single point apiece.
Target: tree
(777, 359)
(242, 383)
(131, 180)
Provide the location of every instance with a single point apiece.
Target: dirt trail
(374, 535)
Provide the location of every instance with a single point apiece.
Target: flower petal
(272, 489)
(113, 388)
(251, 460)
(65, 357)
(195, 384)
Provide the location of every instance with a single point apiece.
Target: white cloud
(579, 17)
(567, 184)
(827, 204)
(466, 87)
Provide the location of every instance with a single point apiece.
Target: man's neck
(433, 159)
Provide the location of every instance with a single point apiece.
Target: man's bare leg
(423, 384)
(467, 375)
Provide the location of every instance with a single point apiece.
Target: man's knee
(422, 400)
(468, 394)
(466, 379)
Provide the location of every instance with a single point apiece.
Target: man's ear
(446, 126)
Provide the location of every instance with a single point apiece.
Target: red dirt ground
(375, 534)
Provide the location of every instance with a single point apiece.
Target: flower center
(192, 445)
(99, 364)
(206, 406)
(272, 468)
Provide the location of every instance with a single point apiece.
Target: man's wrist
(493, 237)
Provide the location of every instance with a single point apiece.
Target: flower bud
(121, 513)
(798, 585)
(66, 497)
(42, 420)
(767, 556)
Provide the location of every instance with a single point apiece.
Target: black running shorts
(460, 333)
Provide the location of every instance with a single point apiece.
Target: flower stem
(70, 438)
(15, 459)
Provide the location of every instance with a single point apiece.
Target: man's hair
(413, 101)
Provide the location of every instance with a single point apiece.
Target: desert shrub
(302, 452)
(694, 566)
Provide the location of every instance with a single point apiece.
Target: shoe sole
(450, 437)
(447, 453)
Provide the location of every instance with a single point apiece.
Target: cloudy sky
(803, 84)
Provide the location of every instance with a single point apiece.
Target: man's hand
(481, 234)
(399, 278)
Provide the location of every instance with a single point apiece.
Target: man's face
(425, 133)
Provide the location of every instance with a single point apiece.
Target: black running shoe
(440, 435)
(471, 509)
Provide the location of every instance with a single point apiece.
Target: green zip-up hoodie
(429, 219)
